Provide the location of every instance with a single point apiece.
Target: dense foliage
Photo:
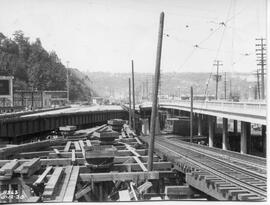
(35, 68)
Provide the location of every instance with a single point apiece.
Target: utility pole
(255, 92)
(129, 98)
(258, 84)
(191, 113)
(261, 54)
(217, 77)
(147, 93)
(67, 83)
(230, 89)
(133, 94)
(155, 94)
(225, 86)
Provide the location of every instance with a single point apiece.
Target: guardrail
(258, 108)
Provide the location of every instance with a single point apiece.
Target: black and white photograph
(160, 101)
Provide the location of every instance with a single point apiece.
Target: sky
(105, 35)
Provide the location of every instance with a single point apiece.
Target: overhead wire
(212, 33)
(219, 46)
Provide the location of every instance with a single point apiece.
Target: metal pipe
(155, 94)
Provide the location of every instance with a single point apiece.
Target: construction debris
(90, 165)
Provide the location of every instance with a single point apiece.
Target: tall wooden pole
(191, 113)
(133, 95)
(155, 94)
(225, 86)
(129, 97)
(218, 76)
(258, 84)
(67, 82)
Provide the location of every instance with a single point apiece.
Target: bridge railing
(259, 108)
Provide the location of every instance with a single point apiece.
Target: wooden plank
(64, 184)
(43, 175)
(82, 147)
(121, 176)
(132, 151)
(9, 167)
(52, 183)
(69, 195)
(11, 151)
(66, 149)
(133, 193)
(34, 154)
(144, 187)
(29, 167)
(140, 163)
(81, 144)
(88, 143)
(32, 199)
(56, 151)
(67, 159)
(77, 146)
(83, 192)
(124, 195)
(73, 156)
(139, 141)
(178, 191)
(26, 189)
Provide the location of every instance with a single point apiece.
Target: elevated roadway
(253, 112)
(17, 128)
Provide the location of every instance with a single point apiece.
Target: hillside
(116, 84)
(35, 68)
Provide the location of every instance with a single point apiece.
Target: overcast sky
(104, 35)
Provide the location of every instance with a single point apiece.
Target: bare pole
(129, 97)
(67, 83)
(133, 94)
(225, 86)
(155, 94)
(217, 76)
(258, 84)
(191, 113)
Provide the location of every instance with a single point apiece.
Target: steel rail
(243, 162)
(245, 157)
(232, 166)
(225, 176)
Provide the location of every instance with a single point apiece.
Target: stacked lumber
(106, 136)
(67, 130)
(29, 167)
(116, 124)
(6, 171)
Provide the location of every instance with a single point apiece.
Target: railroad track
(247, 182)
(245, 157)
(249, 162)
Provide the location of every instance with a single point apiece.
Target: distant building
(54, 98)
(97, 100)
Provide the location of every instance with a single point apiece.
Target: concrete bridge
(246, 112)
(253, 112)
